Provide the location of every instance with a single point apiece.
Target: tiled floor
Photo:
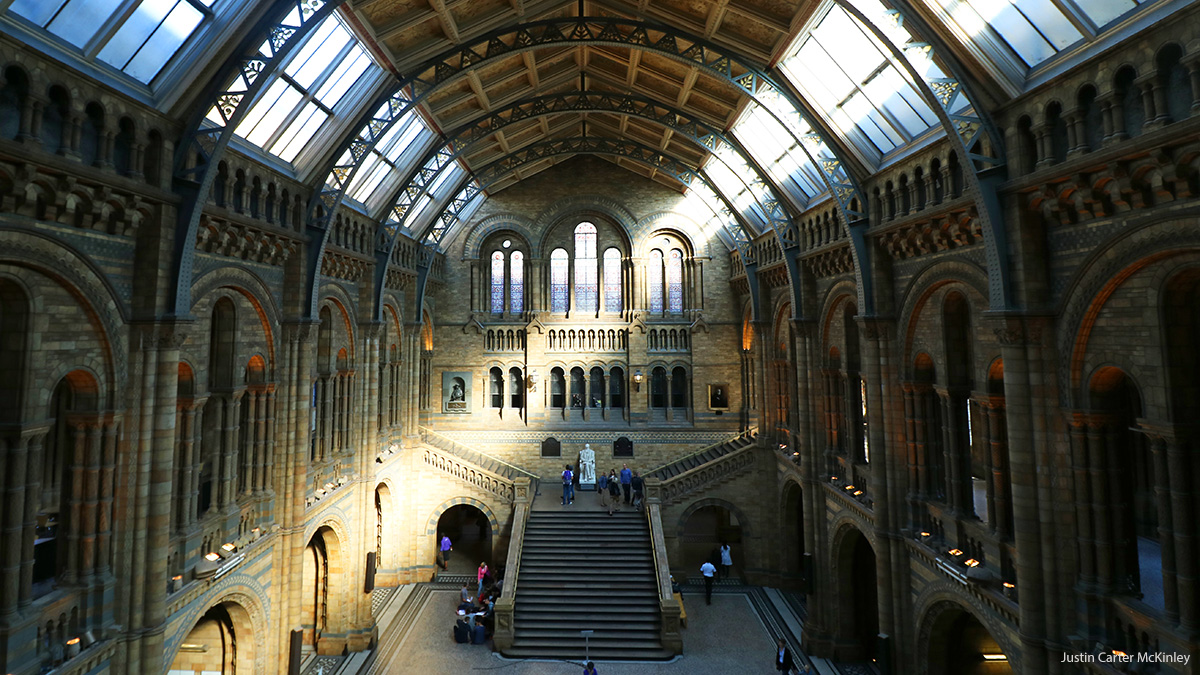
(725, 638)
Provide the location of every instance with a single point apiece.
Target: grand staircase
(587, 571)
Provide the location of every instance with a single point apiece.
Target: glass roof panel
(146, 36)
(847, 73)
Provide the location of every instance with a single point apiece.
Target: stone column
(11, 572)
(104, 520)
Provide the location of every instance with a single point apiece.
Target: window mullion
(118, 18)
(1078, 18)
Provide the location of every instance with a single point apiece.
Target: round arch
(249, 614)
(952, 638)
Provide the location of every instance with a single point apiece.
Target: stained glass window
(612, 280)
(558, 280)
(654, 279)
(675, 281)
(585, 267)
(516, 282)
(497, 283)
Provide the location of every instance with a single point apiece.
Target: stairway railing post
(506, 605)
(668, 607)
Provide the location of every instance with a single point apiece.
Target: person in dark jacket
(783, 658)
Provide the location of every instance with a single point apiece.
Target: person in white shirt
(708, 570)
(726, 561)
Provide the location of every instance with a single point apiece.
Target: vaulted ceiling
(408, 33)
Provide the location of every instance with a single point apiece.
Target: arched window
(558, 280)
(654, 280)
(557, 389)
(616, 388)
(675, 281)
(516, 385)
(578, 388)
(679, 393)
(497, 283)
(658, 388)
(612, 280)
(596, 385)
(497, 381)
(516, 282)
(586, 294)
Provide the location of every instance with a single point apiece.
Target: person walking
(783, 658)
(726, 560)
(614, 493)
(480, 574)
(568, 486)
(626, 483)
(708, 570)
(639, 488)
(602, 489)
(444, 549)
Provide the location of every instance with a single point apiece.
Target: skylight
(1033, 30)
(778, 153)
(146, 35)
(382, 167)
(845, 72)
(313, 84)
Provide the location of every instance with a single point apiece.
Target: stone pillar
(104, 520)
(11, 573)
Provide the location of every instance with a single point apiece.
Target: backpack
(567, 477)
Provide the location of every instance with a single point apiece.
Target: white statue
(587, 464)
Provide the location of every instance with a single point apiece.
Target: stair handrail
(749, 432)
(458, 448)
(505, 608)
(676, 487)
(472, 473)
(668, 607)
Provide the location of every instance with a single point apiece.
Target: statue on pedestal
(587, 464)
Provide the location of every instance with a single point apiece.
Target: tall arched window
(586, 293)
(497, 382)
(558, 280)
(654, 280)
(497, 283)
(612, 280)
(516, 282)
(679, 388)
(658, 387)
(675, 281)
(596, 397)
(616, 388)
(578, 388)
(516, 387)
(557, 388)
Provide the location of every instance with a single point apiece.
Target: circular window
(507, 243)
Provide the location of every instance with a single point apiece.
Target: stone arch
(89, 286)
(795, 556)
(326, 553)
(431, 524)
(460, 531)
(645, 228)
(520, 225)
(728, 506)
(852, 565)
(936, 607)
(247, 616)
(247, 593)
(1144, 242)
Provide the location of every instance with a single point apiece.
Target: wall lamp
(638, 376)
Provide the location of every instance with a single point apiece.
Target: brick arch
(521, 225)
(88, 285)
(1144, 242)
(940, 597)
(645, 228)
(431, 524)
(343, 309)
(243, 592)
(584, 206)
(643, 247)
(695, 506)
(253, 293)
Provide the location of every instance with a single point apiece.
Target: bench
(682, 611)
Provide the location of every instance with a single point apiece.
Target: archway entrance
(858, 598)
(960, 645)
(322, 563)
(793, 559)
(222, 641)
(704, 532)
(470, 533)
